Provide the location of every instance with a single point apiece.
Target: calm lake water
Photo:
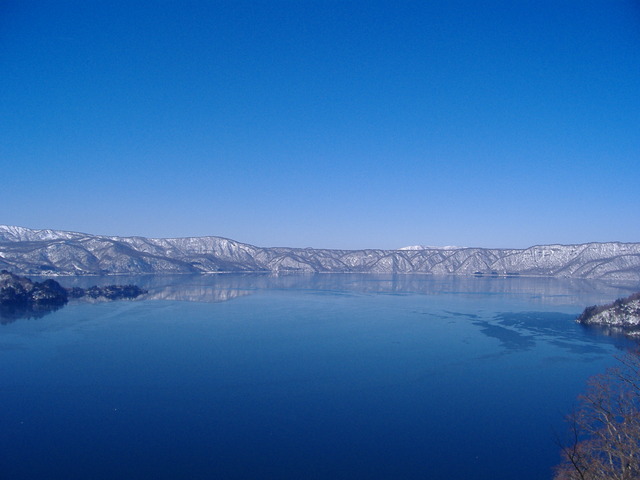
(300, 377)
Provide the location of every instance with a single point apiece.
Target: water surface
(320, 376)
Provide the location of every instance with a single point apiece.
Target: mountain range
(53, 252)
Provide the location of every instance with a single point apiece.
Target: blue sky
(337, 124)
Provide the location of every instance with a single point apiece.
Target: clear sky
(338, 124)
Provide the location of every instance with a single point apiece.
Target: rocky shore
(20, 297)
(622, 315)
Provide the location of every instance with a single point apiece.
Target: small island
(20, 296)
(622, 315)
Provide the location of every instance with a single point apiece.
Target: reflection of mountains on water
(11, 313)
(195, 293)
(223, 287)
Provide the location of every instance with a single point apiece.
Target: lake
(301, 377)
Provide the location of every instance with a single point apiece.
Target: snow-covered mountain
(424, 247)
(52, 252)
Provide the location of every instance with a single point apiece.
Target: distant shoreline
(52, 253)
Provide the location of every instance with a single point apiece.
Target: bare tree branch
(605, 430)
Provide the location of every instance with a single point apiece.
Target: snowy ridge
(427, 247)
(52, 252)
